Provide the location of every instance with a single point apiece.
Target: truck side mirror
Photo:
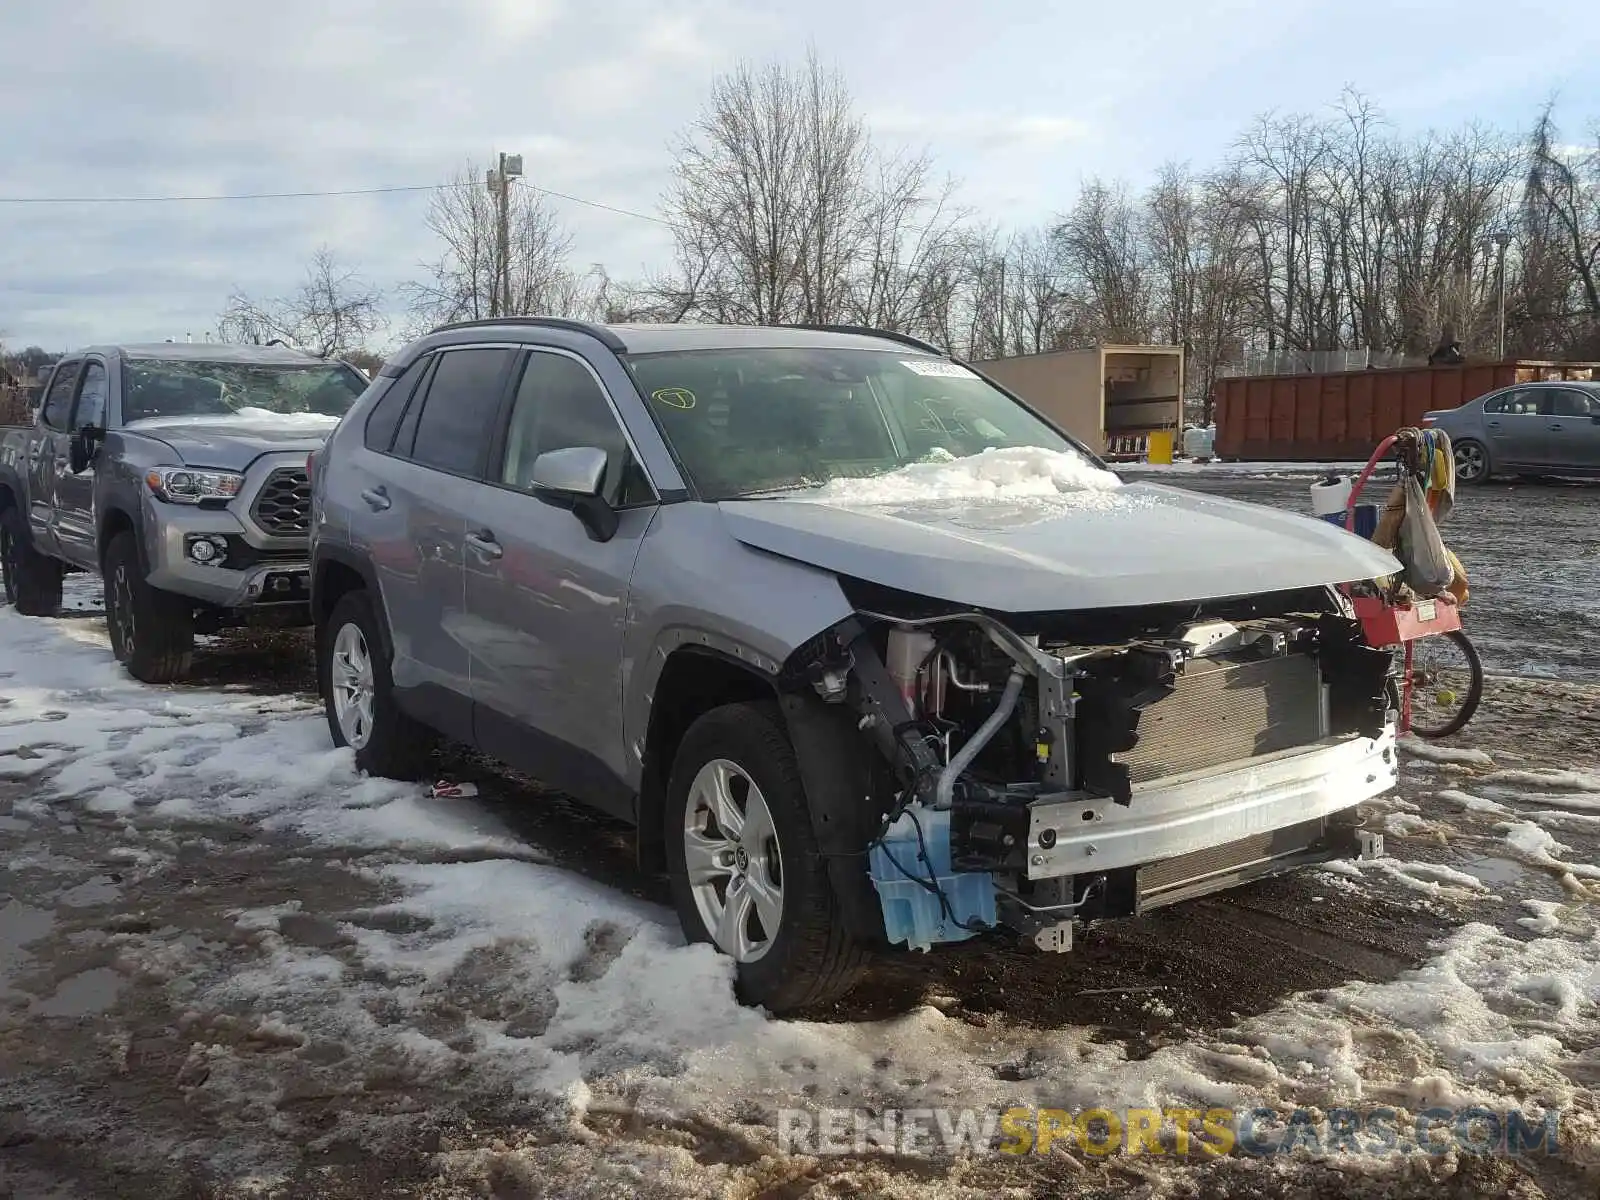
(85, 445)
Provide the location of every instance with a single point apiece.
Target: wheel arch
(117, 520)
(694, 680)
(336, 572)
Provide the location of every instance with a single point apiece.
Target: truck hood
(233, 443)
(1133, 545)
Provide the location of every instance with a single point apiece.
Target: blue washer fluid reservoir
(911, 913)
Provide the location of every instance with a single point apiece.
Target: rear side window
(459, 410)
(1566, 403)
(385, 416)
(58, 400)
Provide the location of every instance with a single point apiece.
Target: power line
(372, 191)
(626, 212)
(376, 191)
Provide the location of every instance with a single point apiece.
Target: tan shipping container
(1109, 397)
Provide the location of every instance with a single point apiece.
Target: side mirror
(574, 471)
(575, 476)
(85, 445)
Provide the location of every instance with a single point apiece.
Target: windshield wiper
(778, 493)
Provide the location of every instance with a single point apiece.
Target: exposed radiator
(1225, 711)
(1171, 878)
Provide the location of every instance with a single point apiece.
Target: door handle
(377, 499)
(484, 545)
(1556, 425)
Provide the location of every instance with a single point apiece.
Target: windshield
(748, 421)
(163, 387)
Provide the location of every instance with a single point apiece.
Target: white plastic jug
(1331, 496)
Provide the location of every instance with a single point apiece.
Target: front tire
(1472, 462)
(746, 873)
(358, 694)
(152, 631)
(32, 580)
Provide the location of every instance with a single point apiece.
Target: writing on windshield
(750, 421)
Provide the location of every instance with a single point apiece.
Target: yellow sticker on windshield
(673, 397)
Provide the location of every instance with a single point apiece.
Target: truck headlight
(186, 485)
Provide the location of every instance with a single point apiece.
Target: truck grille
(283, 506)
(1225, 711)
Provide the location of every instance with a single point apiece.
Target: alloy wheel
(121, 610)
(733, 859)
(1471, 463)
(8, 564)
(351, 678)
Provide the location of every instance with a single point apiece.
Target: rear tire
(742, 753)
(358, 694)
(1472, 462)
(152, 631)
(32, 580)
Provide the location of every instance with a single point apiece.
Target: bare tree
(1562, 210)
(1104, 258)
(463, 282)
(766, 198)
(1318, 235)
(334, 312)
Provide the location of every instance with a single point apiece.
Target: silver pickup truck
(178, 472)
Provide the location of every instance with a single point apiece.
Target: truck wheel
(152, 631)
(745, 871)
(358, 694)
(33, 581)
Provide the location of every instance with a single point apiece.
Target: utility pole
(500, 187)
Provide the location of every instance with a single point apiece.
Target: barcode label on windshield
(937, 367)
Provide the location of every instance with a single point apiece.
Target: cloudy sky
(108, 98)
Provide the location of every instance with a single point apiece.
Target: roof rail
(905, 339)
(599, 332)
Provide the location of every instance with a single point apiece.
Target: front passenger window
(559, 405)
(91, 408)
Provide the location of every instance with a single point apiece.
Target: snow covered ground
(227, 960)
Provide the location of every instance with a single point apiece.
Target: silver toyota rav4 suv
(872, 654)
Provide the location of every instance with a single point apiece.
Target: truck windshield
(170, 387)
(747, 421)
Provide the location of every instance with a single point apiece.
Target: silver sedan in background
(1525, 429)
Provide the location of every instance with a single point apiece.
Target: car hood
(233, 443)
(1133, 545)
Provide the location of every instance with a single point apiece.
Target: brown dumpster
(1341, 416)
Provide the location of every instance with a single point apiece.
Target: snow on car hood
(1033, 530)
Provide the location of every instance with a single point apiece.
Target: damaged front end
(1044, 769)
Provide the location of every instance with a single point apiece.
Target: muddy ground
(104, 1067)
